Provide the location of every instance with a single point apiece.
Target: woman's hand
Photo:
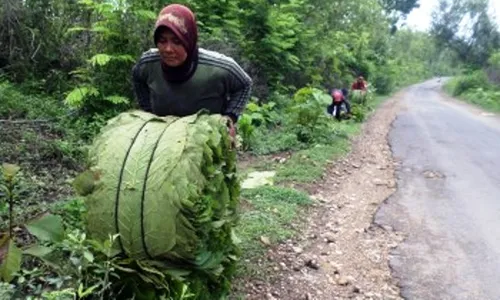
(232, 130)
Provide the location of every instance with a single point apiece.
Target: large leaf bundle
(168, 187)
(358, 97)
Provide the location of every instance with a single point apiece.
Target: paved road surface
(448, 198)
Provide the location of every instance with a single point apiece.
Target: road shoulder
(342, 254)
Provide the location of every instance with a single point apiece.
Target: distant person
(339, 97)
(360, 84)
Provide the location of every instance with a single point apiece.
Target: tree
(404, 7)
(466, 27)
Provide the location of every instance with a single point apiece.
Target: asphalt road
(448, 198)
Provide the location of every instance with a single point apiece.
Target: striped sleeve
(139, 79)
(240, 84)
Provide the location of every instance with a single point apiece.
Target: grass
(48, 151)
(475, 89)
(16, 104)
(274, 211)
(275, 208)
(275, 141)
(489, 100)
(308, 165)
(269, 212)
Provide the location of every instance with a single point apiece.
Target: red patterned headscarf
(182, 21)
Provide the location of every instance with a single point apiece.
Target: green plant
(247, 130)
(307, 113)
(7, 290)
(94, 92)
(263, 114)
(309, 165)
(11, 262)
(275, 141)
(17, 103)
(72, 212)
(72, 264)
(461, 84)
(8, 189)
(359, 112)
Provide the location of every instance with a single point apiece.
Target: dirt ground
(342, 254)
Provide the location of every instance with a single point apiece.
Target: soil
(341, 254)
(46, 171)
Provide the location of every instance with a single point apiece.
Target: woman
(360, 84)
(178, 78)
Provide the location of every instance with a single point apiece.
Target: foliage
(302, 121)
(476, 89)
(257, 117)
(73, 212)
(15, 104)
(6, 290)
(493, 68)
(307, 113)
(177, 197)
(246, 130)
(309, 165)
(88, 47)
(359, 112)
(8, 186)
(275, 141)
(466, 27)
(70, 264)
(494, 60)
(11, 261)
(263, 115)
(461, 84)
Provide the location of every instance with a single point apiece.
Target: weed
(270, 212)
(16, 104)
(308, 165)
(279, 140)
(475, 89)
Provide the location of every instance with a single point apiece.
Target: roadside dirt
(342, 254)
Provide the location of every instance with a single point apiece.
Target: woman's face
(172, 51)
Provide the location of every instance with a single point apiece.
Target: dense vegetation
(65, 69)
(467, 29)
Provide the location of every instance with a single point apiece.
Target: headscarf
(182, 22)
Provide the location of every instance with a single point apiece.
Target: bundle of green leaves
(359, 97)
(168, 186)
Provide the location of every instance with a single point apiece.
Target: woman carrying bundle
(178, 78)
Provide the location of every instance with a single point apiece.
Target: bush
(462, 84)
(359, 112)
(307, 113)
(15, 104)
(267, 142)
(384, 81)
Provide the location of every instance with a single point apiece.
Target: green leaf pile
(168, 187)
(358, 97)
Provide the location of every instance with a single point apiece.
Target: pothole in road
(429, 174)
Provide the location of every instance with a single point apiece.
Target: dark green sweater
(219, 84)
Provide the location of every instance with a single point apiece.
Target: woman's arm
(240, 89)
(141, 89)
